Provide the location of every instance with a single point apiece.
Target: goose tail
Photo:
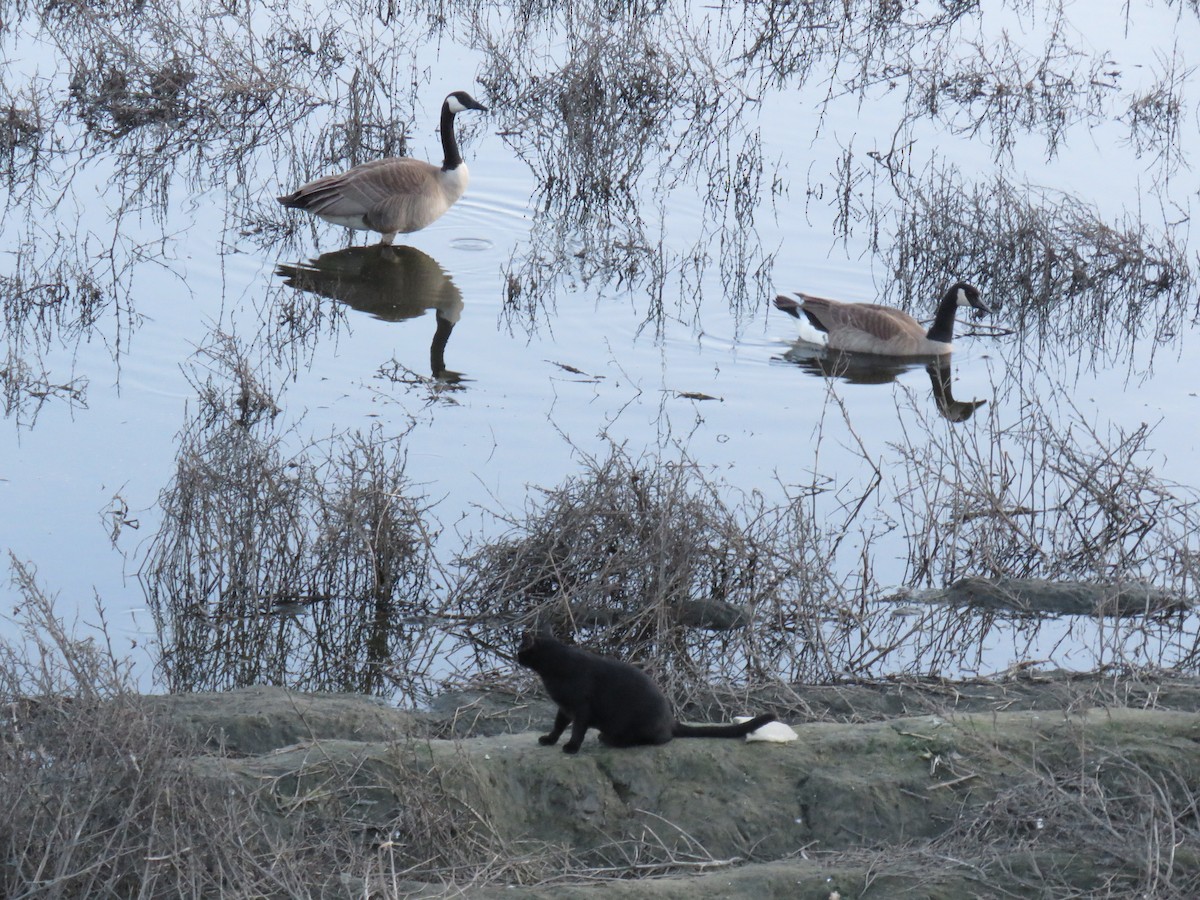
(788, 305)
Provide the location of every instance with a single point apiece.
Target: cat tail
(739, 730)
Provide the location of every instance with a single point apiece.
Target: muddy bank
(892, 790)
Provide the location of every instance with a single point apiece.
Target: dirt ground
(1043, 785)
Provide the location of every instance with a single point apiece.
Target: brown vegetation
(993, 788)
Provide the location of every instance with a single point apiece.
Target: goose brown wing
(883, 323)
(364, 190)
(887, 322)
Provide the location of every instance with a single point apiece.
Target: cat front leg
(579, 728)
(561, 721)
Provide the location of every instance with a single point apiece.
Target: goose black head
(461, 100)
(968, 295)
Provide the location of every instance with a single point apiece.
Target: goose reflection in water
(861, 368)
(393, 283)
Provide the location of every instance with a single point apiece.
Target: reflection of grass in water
(1072, 282)
(22, 132)
(172, 101)
(624, 110)
(634, 108)
(1155, 115)
(1047, 497)
(1002, 90)
(651, 558)
(55, 297)
(181, 100)
(1081, 290)
(950, 72)
(252, 532)
(648, 559)
(620, 117)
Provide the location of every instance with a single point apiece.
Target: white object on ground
(774, 732)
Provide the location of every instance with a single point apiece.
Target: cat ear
(538, 631)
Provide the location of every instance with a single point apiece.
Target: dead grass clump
(587, 127)
(1114, 827)
(593, 117)
(113, 98)
(96, 801)
(22, 133)
(1082, 288)
(864, 42)
(47, 301)
(621, 540)
(187, 97)
(1155, 114)
(96, 805)
(948, 68)
(26, 386)
(999, 87)
(644, 559)
(1052, 498)
(253, 535)
(1047, 498)
(103, 797)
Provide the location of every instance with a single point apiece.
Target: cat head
(534, 642)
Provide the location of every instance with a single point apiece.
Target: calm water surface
(605, 343)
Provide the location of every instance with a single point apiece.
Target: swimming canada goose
(882, 330)
(395, 195)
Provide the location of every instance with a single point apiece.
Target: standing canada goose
(395, 195)
(882, 330)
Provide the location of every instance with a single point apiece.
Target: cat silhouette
(610, 695)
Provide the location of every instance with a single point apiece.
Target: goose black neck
(452, 159)
(942, 328)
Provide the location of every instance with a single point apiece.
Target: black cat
(594, 691)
